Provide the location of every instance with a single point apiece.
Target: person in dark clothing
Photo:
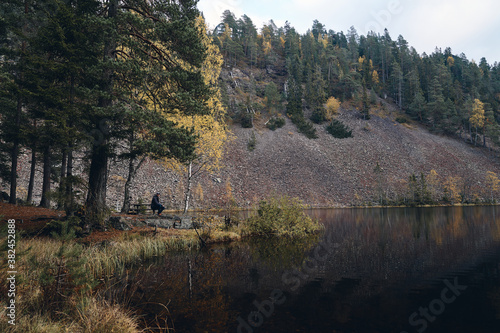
(156, 205)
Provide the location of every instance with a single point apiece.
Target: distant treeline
(448, 93)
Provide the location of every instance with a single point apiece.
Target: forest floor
(32, 220)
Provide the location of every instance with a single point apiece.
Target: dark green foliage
(303, 126)
(252, 142)
(275, 123)
(246, 120)
(272, 97)
(64, 230)
(419, 193)
(315, 95)
(318, 115)
(339, 130)
(401, 120)
(365, 111)
(85, 75)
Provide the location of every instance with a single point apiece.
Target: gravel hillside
(322, 172)
(330, 172)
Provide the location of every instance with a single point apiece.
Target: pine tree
(436, 105)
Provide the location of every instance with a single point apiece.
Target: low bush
(246, 120)
(275, 123)
(252, 142)
(339, 130)
(401, 120)
(305, 127)
(282, 216)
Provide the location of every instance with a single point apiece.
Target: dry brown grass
(98, 316)
(81, 310)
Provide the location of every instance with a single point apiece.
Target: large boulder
(125, 223)
(119, 223)
(186, 222)
(164, 221)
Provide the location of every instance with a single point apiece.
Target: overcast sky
(468, 26)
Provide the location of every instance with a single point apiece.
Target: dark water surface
(373, 270)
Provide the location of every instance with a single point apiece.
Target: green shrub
(318, 115)
(275, 123)
(339, 130)
(305, 127)
(246, 120)
(252, 142)
(401, 120)
(64, 230)
(282, 216)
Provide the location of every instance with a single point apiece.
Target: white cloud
(461, 25)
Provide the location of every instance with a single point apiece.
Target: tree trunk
(470, 133)
(13, 173)
(45, 202)
(188, 189)
(15, 149)
(400, 90)
(70, 206)
(14, 155)
(31, 184)
(63, 166)
(62, 182)
(132, 171)
(98, 175)
(96, 196)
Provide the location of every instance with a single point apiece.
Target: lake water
(373, 270)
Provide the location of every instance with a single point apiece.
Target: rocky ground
(338, 172)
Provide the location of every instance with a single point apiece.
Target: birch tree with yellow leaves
(477, 118)
(210, 128)
(493, 184)
(451, 189)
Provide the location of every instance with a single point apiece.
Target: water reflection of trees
(376, 254)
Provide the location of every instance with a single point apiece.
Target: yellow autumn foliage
(493, 184)
(210, 128)
(477, 118)
(332, 106)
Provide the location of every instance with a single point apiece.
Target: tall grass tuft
(98, 316)
(114, 257)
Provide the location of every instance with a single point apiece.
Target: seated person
(156, 205)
